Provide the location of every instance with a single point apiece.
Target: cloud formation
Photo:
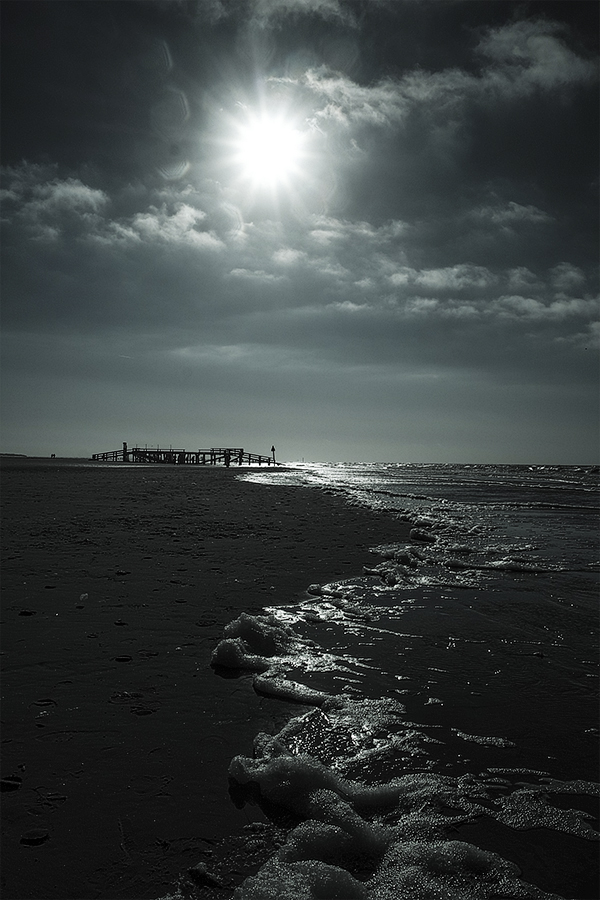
(176, 262)
(419, 263)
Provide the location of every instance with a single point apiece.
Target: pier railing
(226, 456)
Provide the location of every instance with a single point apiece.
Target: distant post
(125, 453)
(273, 452)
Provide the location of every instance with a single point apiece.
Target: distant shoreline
(21, 461)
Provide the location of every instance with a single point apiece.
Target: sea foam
(386, 839)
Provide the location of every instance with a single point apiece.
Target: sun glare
(269, 150)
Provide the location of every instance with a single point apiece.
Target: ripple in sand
(125, 697)
(142, 710)
(135, 701)
(10, 783)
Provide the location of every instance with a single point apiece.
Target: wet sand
(117, 582)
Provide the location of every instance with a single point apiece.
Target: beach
(369, 681)
(117, 734)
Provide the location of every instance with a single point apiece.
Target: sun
(269, 150)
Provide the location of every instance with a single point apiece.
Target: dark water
(448, 745)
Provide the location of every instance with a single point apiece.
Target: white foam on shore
(385, 840)
(364, 834)
(392, 833)
(485, 740)
(285, 689)
(250, 642)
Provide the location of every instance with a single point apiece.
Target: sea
(441, 731)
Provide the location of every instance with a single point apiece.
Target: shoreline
(116, 590)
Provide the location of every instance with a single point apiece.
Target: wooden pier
(215, 456)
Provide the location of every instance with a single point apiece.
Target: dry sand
(117, 583)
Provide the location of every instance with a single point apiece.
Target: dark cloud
(424, 288)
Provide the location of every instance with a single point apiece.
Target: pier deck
(214, 456)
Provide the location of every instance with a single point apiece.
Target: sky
(352, 229)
